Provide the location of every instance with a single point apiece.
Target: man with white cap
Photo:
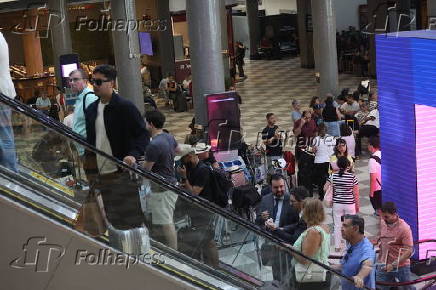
(197, 178)
(7, 146)
(203, 152)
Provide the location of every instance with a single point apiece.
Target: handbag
(328, 192)
(310, 273)
(90, 218)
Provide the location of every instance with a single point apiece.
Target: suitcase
(180, 104)
(132, 241)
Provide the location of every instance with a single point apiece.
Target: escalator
(41, 201)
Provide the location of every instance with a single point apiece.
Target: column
(252, 7)
(32, 53)
(126, 51)
(205, 47)
(225, 43)
(60, 33)
(32, 45)
(166, 40)
(326, 57)
(305, 33)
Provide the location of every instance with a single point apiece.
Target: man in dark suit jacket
(275, 208)
(290, 233)
(115, 126)
(276, 205)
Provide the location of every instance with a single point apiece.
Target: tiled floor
(270, 87)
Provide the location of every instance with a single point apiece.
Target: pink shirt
(394, 240)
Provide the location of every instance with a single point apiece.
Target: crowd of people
(328, 143)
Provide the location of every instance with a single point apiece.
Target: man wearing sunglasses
(358, 262)
(85, 97)
(115, 126)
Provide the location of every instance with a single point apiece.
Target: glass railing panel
(130, 208)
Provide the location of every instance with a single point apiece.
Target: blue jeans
(8, 157)
(333, 128)
(401, 275)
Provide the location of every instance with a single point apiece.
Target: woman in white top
(347, 135)
(323, 146)
(345, 196)
(370, 127)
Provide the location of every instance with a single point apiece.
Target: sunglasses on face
(98, 82)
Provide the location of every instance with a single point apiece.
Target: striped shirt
(343, 187)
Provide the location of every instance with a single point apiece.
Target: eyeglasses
(98, 82)
(73, 80)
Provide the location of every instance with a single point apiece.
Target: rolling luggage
(180, 104)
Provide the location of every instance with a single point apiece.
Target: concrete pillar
(32, 53)
(225, 44)
(166, 40)
(60, 33)
(126, 51)
(305, 33)
(324, 26)
(253, 26)
(204, 21)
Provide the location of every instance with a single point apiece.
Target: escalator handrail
(399, 284)
(67, 132)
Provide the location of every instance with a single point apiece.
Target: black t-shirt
(275, 148)
(329, 114)
(201, 176)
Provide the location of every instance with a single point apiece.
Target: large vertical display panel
(426, 174)
(224, 125)
(406, 75)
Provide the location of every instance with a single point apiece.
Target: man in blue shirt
(358, 262)
(79, 85)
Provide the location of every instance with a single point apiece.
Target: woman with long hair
(345, 196)
(331, 117)
(347, 135)
(341, 150)
(313, 242)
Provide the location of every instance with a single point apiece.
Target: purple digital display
(145, 43)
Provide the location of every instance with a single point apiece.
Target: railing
(246, 235)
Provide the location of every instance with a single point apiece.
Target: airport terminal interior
(217, 144)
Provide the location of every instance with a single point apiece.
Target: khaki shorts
(161, 205)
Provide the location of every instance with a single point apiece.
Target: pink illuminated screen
(426, 175)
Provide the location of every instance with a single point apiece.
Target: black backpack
(378, 160)
(221, 187)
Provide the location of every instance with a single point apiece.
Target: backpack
(378, 160)
(84, 101)
(221, 187)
